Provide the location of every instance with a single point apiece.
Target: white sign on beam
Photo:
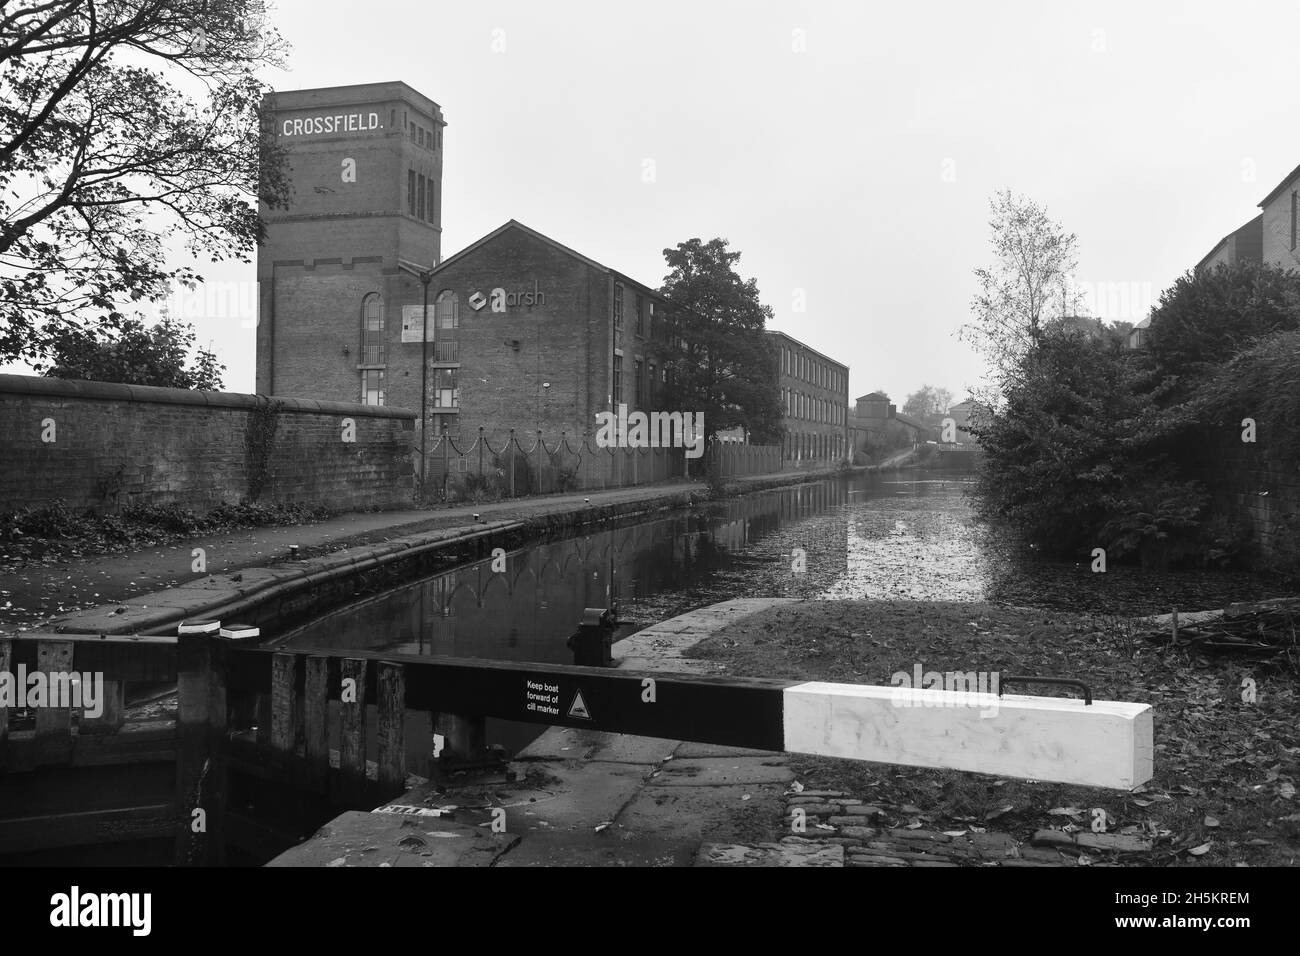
(1058, 739)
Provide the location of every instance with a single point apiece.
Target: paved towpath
(34, 592)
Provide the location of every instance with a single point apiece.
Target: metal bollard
(592, 641)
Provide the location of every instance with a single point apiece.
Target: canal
(908, 535)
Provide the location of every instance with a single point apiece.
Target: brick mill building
(524, 333)
(815, 396)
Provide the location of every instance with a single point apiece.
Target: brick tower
(365, 164)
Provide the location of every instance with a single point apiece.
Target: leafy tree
(134, 355)
(1082, 454)
(1027, 283)
(928, 404)
(1207, 317)
(125, 124)
(717, 355)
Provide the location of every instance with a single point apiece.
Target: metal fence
(735, 460)
(475, 466)
(472, 467)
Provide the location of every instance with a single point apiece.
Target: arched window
(372, 330)
(446, 319)
(447, 310)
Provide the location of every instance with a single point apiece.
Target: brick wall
(1277, 228)
(115, 444)
(507, 357)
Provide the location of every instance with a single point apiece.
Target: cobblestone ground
(833, 818)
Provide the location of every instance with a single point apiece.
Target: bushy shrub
(1207, 317)
(1078, 456)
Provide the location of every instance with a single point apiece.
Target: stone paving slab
(360, 839)
(719, 771)
(606, 848)
(571, 743)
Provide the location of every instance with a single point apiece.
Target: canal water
(908, 535)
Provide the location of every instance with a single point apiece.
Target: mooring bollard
(592, 641)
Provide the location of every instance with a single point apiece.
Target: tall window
(618, 316)
(637, 385)
(1293, 218)
(650, 386)
(650, 320)
(446, 319)
(372, 386)
(419, 202)
(410, 191)
(617, 385)
(640, 317)
(372, 330)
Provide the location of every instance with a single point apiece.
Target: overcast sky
(848, 150)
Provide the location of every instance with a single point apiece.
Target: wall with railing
(478, 465)
(474, 465)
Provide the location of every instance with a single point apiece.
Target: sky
(848, 150)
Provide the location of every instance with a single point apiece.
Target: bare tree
(125, 124)
(929, 404)
(1028, 282)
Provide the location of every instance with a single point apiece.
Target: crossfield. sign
(337, 123)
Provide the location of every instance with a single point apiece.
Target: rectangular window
(445, 393)
(372, 387)
(618, 306)
(650, 320)
(640, 317)
(419, 135)
(1293, 219)
(637, 385)
(419, 203)
(616, 388)
(410, 191)
(650, 386)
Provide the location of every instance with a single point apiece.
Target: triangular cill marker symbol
(579, 707)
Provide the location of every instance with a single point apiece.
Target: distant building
(815, 397)
(1270, 238)
(875, 416)
(1244, 245)
(961, 416)
(1281, 210)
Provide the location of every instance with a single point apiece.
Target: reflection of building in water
(528, 611)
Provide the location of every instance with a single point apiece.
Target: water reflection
(528, 610)
(909, 536)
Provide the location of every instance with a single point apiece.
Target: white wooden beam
(1105, 744)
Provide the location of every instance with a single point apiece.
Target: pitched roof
(541, 237)
(1280, 187)
(516, 224)
(875, 395)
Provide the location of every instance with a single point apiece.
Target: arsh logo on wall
(500, 300)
